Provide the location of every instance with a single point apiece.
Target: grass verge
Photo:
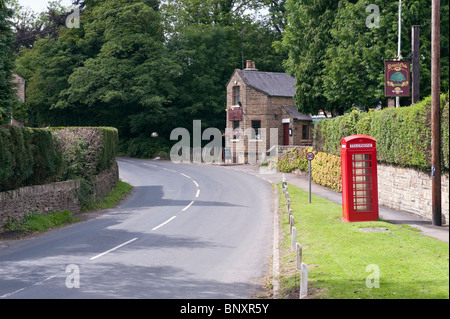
(111, 199)
(37, 223)
(341, 258)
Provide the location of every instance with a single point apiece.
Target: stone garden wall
(53, 197)
(409, 190)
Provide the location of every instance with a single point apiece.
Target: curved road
(186, 231)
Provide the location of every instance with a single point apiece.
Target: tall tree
(338, 60)
(354, 69)
(306, 39)
(6, 63)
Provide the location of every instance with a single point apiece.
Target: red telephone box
(359, 178)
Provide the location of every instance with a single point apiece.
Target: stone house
(261, 115)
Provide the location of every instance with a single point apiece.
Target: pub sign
(397, 78)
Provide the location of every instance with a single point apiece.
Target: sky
(41, 5)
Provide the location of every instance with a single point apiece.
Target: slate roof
(296, 115)
(270, 83)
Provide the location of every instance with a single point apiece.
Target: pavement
(387, 214)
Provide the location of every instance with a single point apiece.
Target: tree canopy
(338, 59)
(6, 63)
(147, 66)
(144, 67)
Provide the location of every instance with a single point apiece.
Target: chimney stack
(250, 66)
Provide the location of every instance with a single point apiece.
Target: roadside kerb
(302, 267)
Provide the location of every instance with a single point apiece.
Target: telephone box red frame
(359, 178)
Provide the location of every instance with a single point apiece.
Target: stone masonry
(53, 197)
(409, 190)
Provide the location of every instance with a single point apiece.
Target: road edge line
(276, 244)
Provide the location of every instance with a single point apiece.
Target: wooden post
(435, 115)
(415, 33)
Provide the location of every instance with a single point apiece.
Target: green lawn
(410, 264)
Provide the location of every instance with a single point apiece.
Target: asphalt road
(186, 231)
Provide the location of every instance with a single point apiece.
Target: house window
(305, 132)
(236, 95)
(256, 134)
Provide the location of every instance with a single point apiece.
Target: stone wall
(54, 197)
(409, 190)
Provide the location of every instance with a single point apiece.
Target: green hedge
(326, 168)
(403, 134)
(27, 157)
(39, 156)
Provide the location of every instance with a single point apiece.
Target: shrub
(145, 147)
(27, 157)
(16, 158)
(403, 134)
(325, 168)
(40, 156)
(294, 159)
(47, 160)
(86, 151)
(326, 171)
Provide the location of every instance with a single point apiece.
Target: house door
(285, 133)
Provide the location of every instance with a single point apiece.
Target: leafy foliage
(143, 67)
(40, 156)
(338, 60)
(325, 168)
(403, 134)
(6, 63)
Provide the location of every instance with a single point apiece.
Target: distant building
(19, 86)
(263, 100)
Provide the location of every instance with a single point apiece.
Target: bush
(325, 168)
(40, 156)
(403, 134)
(294, 159)
(16, 158)
(145, 147)
(27, 157)
(47, 160)
(326, 171)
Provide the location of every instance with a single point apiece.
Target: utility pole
(399, 47)
(415, 33)
(242, 48)
(435, 114)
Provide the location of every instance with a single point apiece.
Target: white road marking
(12, 293)
(112, 249)
(169, 170)
(198, 193)
(196, 184)
(187, 207)
(21, 289)
(167, 221)
(151, 165)
(187, 176)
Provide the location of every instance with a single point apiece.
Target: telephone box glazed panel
(359, 178)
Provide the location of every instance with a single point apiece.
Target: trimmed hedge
(39, 156)
(27, 157)
(326, 168)
(403, 134)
